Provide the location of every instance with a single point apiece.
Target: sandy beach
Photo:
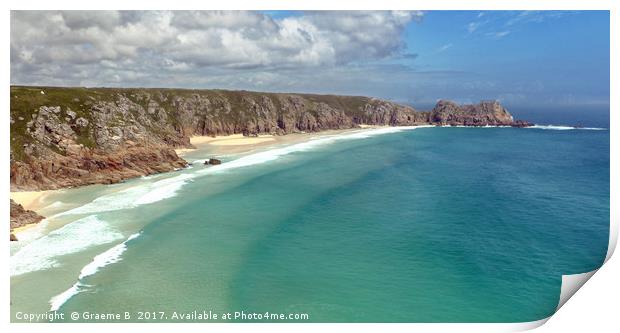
(235, 142)
(19, 231)
(238, 143)
(231, 140)
(31, 200)
(371, 126)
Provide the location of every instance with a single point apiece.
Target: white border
(589, 310)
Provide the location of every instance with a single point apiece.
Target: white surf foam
(43, 252)
(55, 204)
(485, 126)
(163, 189)
(141, 194)
(30, 234)
(111, 256)
(57, 301)
(566, 128)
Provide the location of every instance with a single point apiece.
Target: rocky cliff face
(21, 217)
(486, 113)
(75, 136)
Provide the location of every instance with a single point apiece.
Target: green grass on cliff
(26, 100)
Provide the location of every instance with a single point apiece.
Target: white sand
(31, 200)
(231, 140)
(372, 126)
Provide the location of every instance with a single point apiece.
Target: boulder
(71, 114)
(521, 123)
(21, 217)
(213, 161)
(81, 122)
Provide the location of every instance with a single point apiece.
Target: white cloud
(76, 47)
(472, 26)
(498, 34)
(444, 47)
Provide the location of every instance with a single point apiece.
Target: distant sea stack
(63, 137)
(486, 113)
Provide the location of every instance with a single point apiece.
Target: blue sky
(526, 59)
(521, 57)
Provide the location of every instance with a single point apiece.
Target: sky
(521, 58)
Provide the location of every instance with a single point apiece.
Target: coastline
(32, 202)
(206, 146)
(143, 151)
(71, 236)
(20, 230)
(150, 190)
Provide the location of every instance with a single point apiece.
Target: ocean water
(387, 225)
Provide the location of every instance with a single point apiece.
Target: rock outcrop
(77, 136)
(213, 161)
(486, 113)
(92, 166)
(21, 217)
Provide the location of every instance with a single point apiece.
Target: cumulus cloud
(144, 48)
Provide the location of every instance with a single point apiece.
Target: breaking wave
(142, 194)
(42, 253)
(111, 256)
(566, 128)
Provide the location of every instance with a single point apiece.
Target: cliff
(21, 217)
(486, 113)
(64, 137)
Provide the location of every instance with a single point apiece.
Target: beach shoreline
(20, 230)
(25, 209)
(205, 147)
(31, 200)
(233, 141)
(238, 143)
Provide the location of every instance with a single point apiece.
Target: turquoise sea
(379, 225)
